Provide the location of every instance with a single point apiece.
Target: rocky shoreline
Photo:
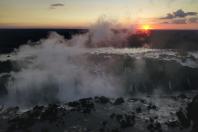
(103, 114)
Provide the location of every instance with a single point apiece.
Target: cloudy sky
(163, 14)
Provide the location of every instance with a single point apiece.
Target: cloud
(193, 20)
(179, 14)
(169, 16)
(55, 5)
(179, 21)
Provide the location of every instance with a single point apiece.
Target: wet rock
(126, 120)
(102, 130)
(102, 100)
(6, 66)
(104, 123)
(192, 109)
(1, 108)
(3, 84)
(85, 100)
(192, 113)
(22, 123)
(51, 113)
(38, 108)
(182, 96)
(74, 104)
(37, 111)
(112, 115)
(154, 127)
(150, 127)
(151, 107)
(139, 110)
(115, 130)
(151, 120)
(11, 111)
(158, 127)
(85, 105)
(172, 124)
(119, 117)
(143, 101)
(184, 121)
(118, 101)
(129, 121)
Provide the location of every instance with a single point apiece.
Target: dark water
(13, 38)
(171, 39)
(175, 39)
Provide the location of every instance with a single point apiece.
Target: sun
(146, 27)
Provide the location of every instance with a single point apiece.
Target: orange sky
(82, 13)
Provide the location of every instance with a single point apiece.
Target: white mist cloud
(58, 70)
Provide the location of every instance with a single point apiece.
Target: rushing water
(59, 68)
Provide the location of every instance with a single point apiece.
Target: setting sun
(146, 27)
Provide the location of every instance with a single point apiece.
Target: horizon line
(43, 28)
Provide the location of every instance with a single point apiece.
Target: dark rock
(151, 107)
(172, 124)
(118, 101)
(192, 113)
(115, 130)
(102, 100)
(6, 66)
(112, 115)
(118, 117)
(22, 122)
(85, 105)
(143, 101)
(192, 109)
(3, 84)
(74, 104)
(36, 112)
(184, 121)
(11, 110)
(102, 130)
(51, 113)
(156, 117)
(158, 126)
(126, 120)
(150, 127)
(104, 123)
(85, 99)
(182, 96)
(38, 108)
(151, 120)
(138, 110)
(154, 127)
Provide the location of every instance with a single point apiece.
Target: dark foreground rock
(103, 114)
(192, 113)
(183, 119)
(118, 101)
